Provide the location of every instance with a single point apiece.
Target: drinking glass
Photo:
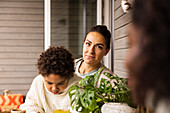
(59, 109)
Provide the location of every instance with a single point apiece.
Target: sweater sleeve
(31, 104)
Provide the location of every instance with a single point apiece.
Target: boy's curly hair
(56, 60)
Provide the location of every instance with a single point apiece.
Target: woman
(148, 61)
(50, 88)
(96, 45)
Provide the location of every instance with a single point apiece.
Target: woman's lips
(90, 56)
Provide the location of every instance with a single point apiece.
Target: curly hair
(56, 60)
(152, 69)
(102, 29)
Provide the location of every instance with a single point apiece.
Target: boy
(50, 87)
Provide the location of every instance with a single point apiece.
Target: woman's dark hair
(151, 67)
(56, 60)
(102, 29)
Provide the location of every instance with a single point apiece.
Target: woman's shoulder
(75, 79)
(78, 60)
(105, 69)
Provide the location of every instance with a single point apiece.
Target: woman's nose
(92, 49)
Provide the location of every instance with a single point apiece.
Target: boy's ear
(106, 52)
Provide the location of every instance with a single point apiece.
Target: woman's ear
(107, 50)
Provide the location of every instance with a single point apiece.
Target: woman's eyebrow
(100, 44)
(96, 44)
(88, 41)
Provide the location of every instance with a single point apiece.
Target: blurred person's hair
(151, 68)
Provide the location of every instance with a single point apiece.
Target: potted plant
(87, 98)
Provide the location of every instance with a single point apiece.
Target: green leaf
(96, 75)
(74, 95)
(87, 80)
(110, 76)
(87, 99)
(105, 86)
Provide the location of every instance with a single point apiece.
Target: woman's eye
(100, 47)
(87, 43)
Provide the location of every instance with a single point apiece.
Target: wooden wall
(121, 23)
(21, 41)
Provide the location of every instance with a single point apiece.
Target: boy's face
(55, 83)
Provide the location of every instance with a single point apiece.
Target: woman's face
(94, 48)
(55, 83)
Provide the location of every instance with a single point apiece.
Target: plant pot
(117, 108)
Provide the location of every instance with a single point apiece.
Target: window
(70, 20)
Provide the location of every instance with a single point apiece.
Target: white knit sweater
(38, 99)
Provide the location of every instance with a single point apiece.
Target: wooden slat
(21, 42)
(120, 54)
(119, 12)
(21, 11)
(117, 4)
(21, 30)
(21, 4)
(16, 68)
(20, 74)
(18, 61)
(32, 24)
(119, 65)
(121, 32)
(123, 20)
(26, 55)
(22, 17)
(17, 36)
(121, 43)
(14, 80)
(15, 87)
(21, 49)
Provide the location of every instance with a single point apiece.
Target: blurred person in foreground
(148, 60)
(50, 87)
